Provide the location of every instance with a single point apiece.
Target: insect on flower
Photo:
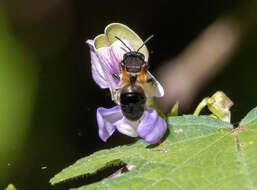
(119, 64)
(136, 82)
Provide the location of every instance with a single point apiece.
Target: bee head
(134, 54)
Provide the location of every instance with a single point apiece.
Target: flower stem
(200, 106)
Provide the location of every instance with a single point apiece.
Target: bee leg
(116, 76)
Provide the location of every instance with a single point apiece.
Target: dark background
(62, 125)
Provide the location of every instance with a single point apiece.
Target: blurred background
(48, 98)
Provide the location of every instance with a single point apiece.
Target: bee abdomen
(133, 103)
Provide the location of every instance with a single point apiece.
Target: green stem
(200, 106)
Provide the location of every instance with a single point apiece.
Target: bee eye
(125, 55)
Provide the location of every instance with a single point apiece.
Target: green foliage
(218, 104)
(18, 85)
(198, 153)
(250, 118)
(174, 110)
(10, 187)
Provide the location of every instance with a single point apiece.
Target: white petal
(118, 49)
(127, 127)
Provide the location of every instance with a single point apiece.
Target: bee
(136, 83)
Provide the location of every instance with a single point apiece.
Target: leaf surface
(198, 153)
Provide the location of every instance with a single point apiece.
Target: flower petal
(127, 127)
(110, 58)
(97, 71)
(124, 32)
(106, 119)
(118, 49)
(152, 127)
(110, 66)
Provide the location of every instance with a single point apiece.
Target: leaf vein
(197, 153)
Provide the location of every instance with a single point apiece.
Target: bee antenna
(149, 38)
(122, 42)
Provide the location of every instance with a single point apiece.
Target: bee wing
(153, 87)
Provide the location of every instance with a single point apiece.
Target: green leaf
(250, 118)
(10, 187)
(199, 153)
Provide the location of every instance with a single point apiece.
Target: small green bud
(218, 104)
(174, 110)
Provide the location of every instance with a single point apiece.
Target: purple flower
(105, 60)
(151, 127)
